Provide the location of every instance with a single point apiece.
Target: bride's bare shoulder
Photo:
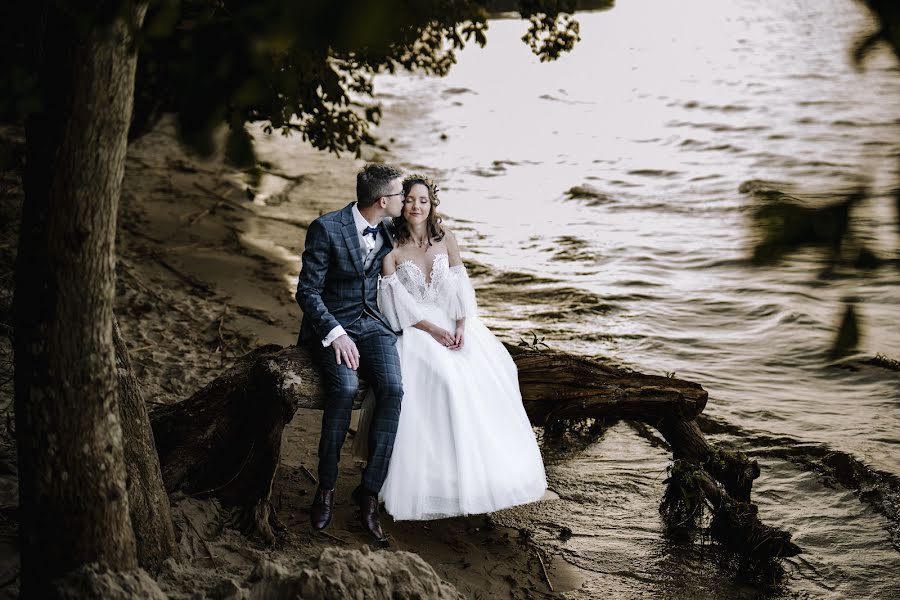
(452, 247)
(397, 255)
(389, 263)
(449, 237)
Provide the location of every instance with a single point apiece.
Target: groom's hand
(345, 350)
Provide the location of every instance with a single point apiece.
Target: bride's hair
(433, 225)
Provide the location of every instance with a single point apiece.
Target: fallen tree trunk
(224, 441)
(557, 386)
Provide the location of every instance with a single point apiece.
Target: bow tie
(371, 230)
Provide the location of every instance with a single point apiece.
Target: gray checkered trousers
(335, 288)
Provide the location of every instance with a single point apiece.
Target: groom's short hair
(373, 182)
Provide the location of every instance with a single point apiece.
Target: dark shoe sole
(360, 527)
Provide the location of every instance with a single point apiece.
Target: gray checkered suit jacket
(334, 287)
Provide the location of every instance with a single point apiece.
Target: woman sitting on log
(464, 442)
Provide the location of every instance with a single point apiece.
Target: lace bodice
(419, 287)
(402, 294)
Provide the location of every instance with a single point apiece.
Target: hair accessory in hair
(424, 179)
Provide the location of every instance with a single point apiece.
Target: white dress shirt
(368, 245)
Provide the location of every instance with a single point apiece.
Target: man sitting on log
(347, 333)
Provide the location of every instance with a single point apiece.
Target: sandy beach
(195, 290)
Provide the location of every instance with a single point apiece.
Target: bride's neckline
(427, 278)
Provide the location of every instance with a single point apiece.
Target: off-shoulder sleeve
(461, 297)
(396, 303)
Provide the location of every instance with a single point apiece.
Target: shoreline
(195, 289)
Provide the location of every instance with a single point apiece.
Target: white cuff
(333, 335)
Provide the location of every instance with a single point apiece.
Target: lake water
(659, 115)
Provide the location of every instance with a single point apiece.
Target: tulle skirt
(464, 444)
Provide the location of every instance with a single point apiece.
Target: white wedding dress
(464, 443)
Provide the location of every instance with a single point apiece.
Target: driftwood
(560, 387)
(224, 441)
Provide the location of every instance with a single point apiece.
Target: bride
(464, 443)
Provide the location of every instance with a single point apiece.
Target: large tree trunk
(72, 474)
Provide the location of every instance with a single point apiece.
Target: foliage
(564, 438)
(788, 224)
(848, 334)
(683, 501)
(887, 16)
(719, 458)
(299, 67)
(885, 362)
(535, 344)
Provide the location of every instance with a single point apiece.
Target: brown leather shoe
(368, 514)
(322, 509)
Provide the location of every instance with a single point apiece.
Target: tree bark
(148, 503)
(69, 436)
(688, 443)
(557, 386)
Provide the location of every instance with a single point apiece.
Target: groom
(341, 323)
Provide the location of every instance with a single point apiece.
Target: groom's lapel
(351, 238)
